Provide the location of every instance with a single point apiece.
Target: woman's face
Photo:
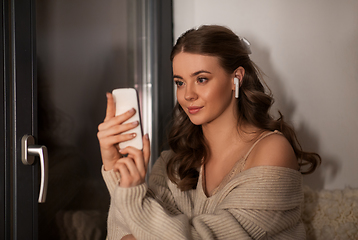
(204, 88)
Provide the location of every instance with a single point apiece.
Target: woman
(233, 172)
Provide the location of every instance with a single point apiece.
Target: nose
(190, 93)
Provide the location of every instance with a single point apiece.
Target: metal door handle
(28, 153)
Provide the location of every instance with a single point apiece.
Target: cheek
(217, 94)
(220, 98)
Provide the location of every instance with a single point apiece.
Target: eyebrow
(193, 74)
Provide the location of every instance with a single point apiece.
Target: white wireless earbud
(237, 83)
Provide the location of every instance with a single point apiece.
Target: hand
(128, 237)
(133, 167)
(110, 133)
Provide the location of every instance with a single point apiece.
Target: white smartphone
(126, 99)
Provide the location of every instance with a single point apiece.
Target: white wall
(309, 52)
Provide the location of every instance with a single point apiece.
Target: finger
(130, 175)
(111, 107)
(107, 129)
(117, 120)
(109, 141)
(123, 171)
(131, 166)
(146, 150)
(137, 156)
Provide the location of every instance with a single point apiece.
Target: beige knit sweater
(259, 203)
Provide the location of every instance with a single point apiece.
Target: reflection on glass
(84, 49)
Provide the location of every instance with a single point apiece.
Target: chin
(194, 120)
(196, 123)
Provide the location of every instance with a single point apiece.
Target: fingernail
(131, 111)
(147, 136)
(135, 123)
(133, 134)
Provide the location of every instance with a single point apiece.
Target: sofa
(330, 214)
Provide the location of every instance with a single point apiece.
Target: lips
(194, 109)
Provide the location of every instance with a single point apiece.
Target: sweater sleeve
(149, 220)
(148, 217)
(116, 224)
(111, 178)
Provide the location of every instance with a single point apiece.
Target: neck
(225, 137)
(221, 134)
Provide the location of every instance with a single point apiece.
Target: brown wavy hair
(187, 140)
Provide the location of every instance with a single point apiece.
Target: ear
(239, 74)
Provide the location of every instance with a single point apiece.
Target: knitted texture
(260, 203)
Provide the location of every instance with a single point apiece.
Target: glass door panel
(83, 51)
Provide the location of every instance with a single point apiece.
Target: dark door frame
(18, 203)
(4, 121)
(22, 92)
(165, 82)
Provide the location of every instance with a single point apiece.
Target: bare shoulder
(273, 150)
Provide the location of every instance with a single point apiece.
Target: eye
(179, 83)
(202, 80)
